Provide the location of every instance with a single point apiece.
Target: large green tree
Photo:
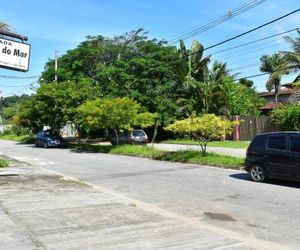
(118, 114)
(55, 104)
(130, 65)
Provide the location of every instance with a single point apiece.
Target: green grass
(210, 159)
(224, 144)
(195, 157)
(18, 138)
(3, 163)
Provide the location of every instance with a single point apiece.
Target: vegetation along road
(224, 202)
(239, 152)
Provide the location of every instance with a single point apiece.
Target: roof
(289, 85)
(281, 92)
(269, 106)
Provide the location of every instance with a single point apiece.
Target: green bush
(287, 116)
(3, 163)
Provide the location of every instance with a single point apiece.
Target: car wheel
(257, 173)
(36, 144)
(45, 145)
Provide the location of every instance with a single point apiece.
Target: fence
(251, 126)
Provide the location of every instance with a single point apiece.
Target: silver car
(137, 136)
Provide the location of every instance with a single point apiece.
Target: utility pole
(56, 65)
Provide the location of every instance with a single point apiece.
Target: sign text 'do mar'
(14, 55)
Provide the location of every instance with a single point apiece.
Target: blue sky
(62, 25)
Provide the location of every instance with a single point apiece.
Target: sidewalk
(219, 150)
(43, 210)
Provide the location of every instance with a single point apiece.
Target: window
(295, 143)
(138, 133)
(277, 142)
(259, 142)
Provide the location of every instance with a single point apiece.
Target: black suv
(274, 155)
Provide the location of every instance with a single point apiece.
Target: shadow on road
(246, 177)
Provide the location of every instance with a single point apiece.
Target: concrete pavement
(40, 209)
(219, 150)
(225, 202)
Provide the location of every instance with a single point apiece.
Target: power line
(255, 41)
(245, 66)
(251, 76)
(14, 86)
(19, 78)
(254, 29)
(238, 54)
(240, 35)
(229, 15)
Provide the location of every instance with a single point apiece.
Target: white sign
(14, 55)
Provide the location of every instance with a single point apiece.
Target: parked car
(136, 136)
(49, 138)
(274, 155)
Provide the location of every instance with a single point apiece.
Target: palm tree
(192, 68)
(220, 77)
(198, 64)
(5, 27)
(192, 63)
(292, 58)
(275, 66)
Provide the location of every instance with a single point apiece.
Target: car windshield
(52, 133)
(138, 133)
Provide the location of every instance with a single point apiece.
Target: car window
(138, 133)
(277, 142)
(295, 143)
(124, 134)
(259, 142)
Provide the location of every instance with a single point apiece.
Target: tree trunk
(276, 98)
(154, 134)
(117, 137)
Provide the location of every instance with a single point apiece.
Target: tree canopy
(203, 128)
(163, 80)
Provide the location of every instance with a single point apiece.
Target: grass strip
(194, 157)
(210, 159)
(18, 138)
(3, 163)
(223, 144)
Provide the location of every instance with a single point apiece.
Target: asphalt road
(224, 202)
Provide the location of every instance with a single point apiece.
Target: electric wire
(192, 29)
(263, 50)
(252, 30)
(19, 77)
(249, 77)
(255, 41)
(229, 15)
(238, 36)
(14, 86)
